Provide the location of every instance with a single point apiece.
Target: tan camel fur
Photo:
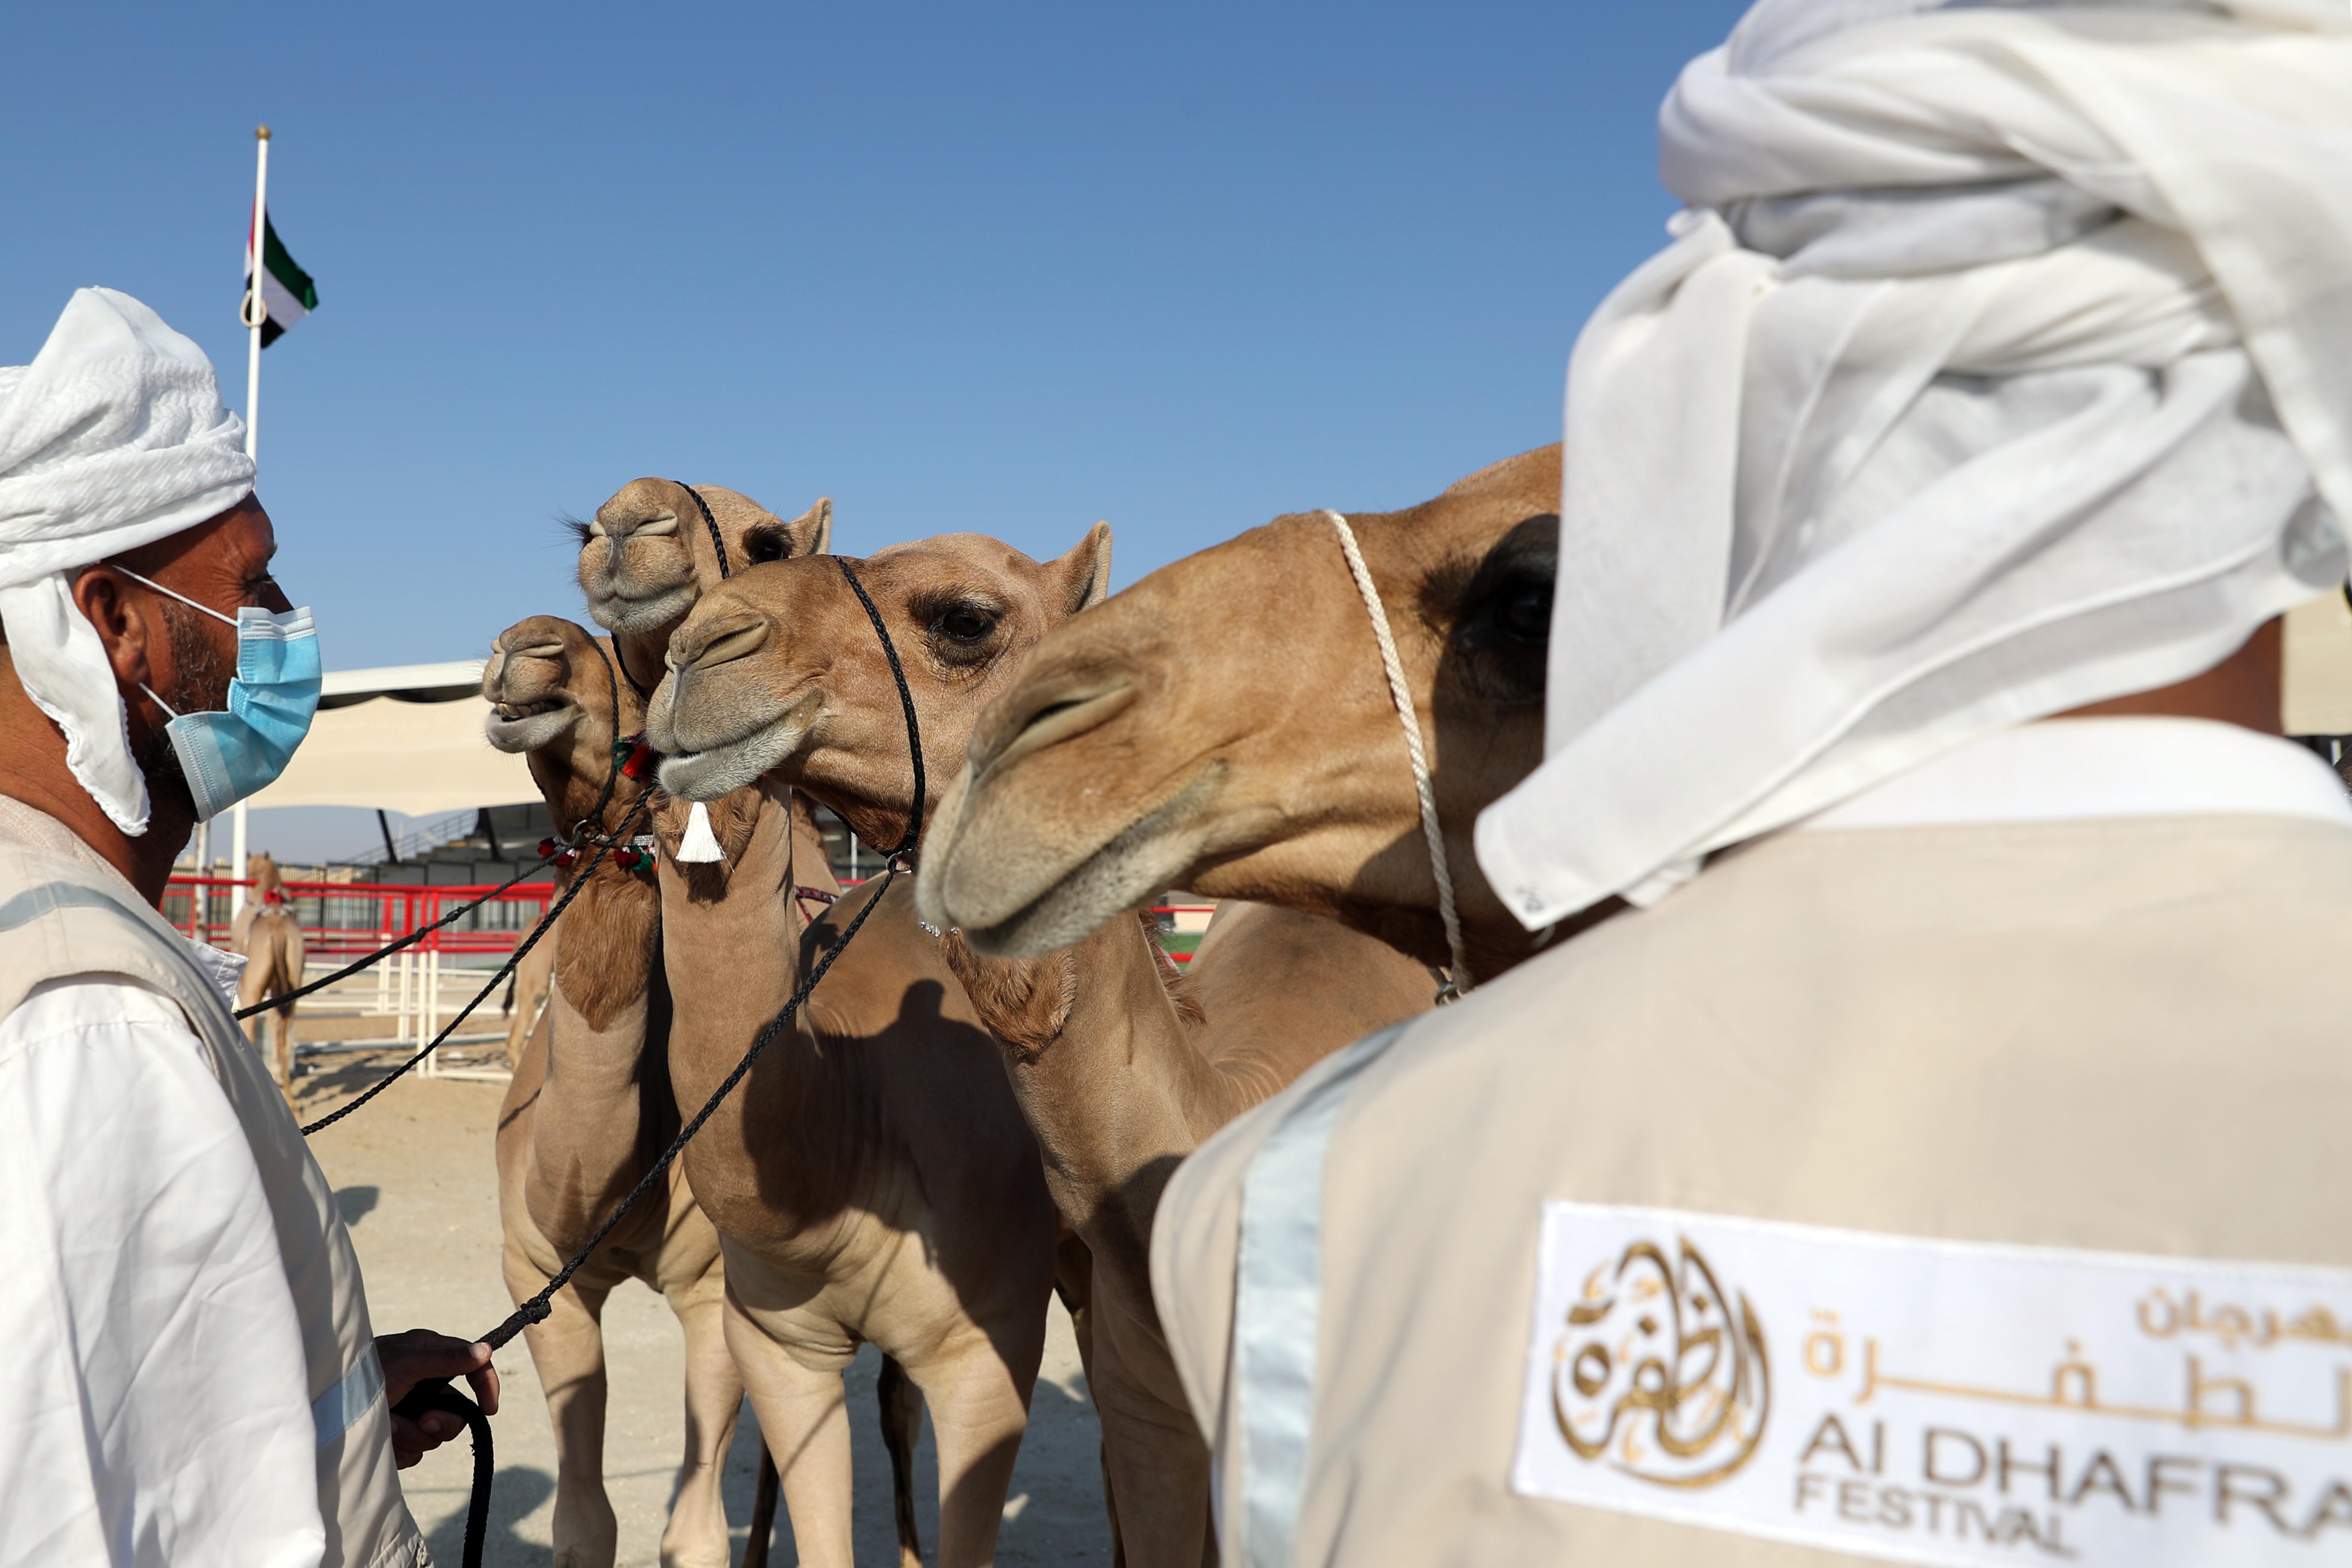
(647, 556)
(1224, 725)
(267, 932)
(1118, 1079)
(589, 1107)
(912, 1063)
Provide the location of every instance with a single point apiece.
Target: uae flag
(287, 292)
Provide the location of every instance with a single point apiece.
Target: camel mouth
(727, 765)
(966, 887)
(619, 606)
(519, 727)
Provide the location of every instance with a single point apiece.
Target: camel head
(779, 671)
(1225, 726)
(556, 699)
(261, 869)
(648, 554)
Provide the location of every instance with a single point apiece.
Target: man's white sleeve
(153, 1412)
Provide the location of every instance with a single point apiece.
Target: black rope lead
(536, 1308)
(380, 954)
(437, 1395)
(504, 970)
(906, 702)
(611, 777)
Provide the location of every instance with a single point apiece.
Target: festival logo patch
(1953, 1403)
(1658, 1373)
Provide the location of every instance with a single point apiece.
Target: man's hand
(415, 1357)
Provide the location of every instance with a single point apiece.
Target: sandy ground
(413, 1173)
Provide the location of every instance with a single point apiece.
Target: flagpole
(254, 312)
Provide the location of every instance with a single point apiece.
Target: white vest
(63, 914)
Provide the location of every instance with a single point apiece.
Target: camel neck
(732, 943)
(1107, 1070)
(640, 660)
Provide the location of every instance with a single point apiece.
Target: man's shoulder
(76, 1008)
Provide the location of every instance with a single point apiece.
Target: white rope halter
(1459, 981)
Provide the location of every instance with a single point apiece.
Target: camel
(1225, 726)
(645, 558)
(647, 554)
(1119, 1072)
(270, 938)
(871, 1180)
(589, 1107)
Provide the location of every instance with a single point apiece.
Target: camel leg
(1154, 1464)
(980, 1407)
(902, 1427)
(568, 1350)
(696, 1536)
(281, 1061)
(804, 1421)
(1074, 1283)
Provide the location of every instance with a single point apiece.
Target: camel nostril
(621, 530)
(725, 647)
(1061, 717)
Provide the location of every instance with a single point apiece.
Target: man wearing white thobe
(192, 1379)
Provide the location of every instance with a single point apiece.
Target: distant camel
(270, 938)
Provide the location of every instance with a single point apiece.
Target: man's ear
(127, 627)
(1085, 571)
(810, 533)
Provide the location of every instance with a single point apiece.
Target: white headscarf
(114, 438)
(2002, 365)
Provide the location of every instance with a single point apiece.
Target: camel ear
(810, 533)
(1084, 573)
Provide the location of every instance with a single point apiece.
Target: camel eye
(764, 545)
(1524, 614)
(964, 623)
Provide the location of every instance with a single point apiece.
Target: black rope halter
(710, 522)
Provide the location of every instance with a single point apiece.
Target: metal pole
(236, 854)
(430, 1023)
(254, 312)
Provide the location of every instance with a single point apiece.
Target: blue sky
(1010, 268)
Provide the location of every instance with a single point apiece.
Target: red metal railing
(345, 919)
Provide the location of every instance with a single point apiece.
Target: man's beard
(199, 684)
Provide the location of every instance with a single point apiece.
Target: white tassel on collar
(700, 846)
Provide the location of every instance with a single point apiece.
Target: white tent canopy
(406, 739)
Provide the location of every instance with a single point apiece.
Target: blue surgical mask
(229, 756)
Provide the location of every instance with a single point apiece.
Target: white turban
(2002, 365)
(114, 438)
